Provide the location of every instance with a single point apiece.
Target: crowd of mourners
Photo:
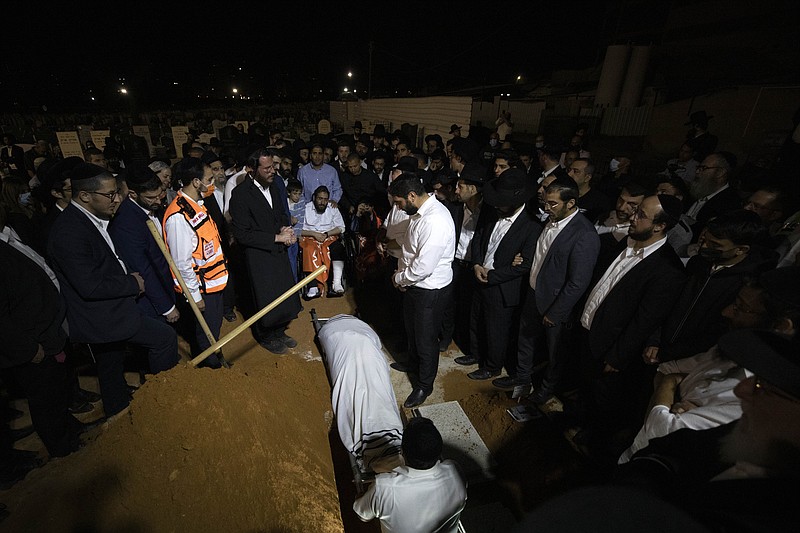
(660, 310)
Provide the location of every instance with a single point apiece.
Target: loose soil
(252, 448)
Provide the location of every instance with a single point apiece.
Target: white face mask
(539, 144)
(614, 165)
(492, 142)
(25, 198)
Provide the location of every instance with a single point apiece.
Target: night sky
(175, 56)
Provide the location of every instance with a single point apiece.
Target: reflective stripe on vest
(208, 261)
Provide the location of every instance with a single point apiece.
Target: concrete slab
(461, 440)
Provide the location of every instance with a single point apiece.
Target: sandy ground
(252, 448)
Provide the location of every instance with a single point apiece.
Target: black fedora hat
(698, 117)
(511, 189)
(379, 131)
(454, 127)
(473, 173)
(767, 354)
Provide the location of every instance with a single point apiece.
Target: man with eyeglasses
(740, 476)
(772, 204)
(697, 392)
(100, 290)
(712, 191)
(560, 273)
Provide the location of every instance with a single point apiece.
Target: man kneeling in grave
(426, 494)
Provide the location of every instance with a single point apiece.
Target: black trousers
(530, 347)
(161, 343)
(500, 326)
(460, 315)
(48, 388)
(422, 312)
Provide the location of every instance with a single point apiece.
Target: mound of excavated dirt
(243, 449)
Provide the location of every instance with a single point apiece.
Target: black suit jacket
(566, 270)
(31, 310)
(635, 307)
(16, 157)
(100, 296)
(520, 239)
(254, 224)
(137, 247)
(723, 202)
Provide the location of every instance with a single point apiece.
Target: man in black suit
(137, 247)
(549, 161)
(99, 290)
(712, 191)
(514, 230)
(591, 202)
(33, 339)
(262, 229)
(459, 323)
(628, 303)
(561, 271)
(13, 156)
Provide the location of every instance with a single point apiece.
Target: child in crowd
(297, 212)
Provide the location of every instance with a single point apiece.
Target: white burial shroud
(364, 403)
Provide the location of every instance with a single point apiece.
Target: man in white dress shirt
(321, 244)
(423, 273)
(426, 494)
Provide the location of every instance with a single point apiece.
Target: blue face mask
(492, 142)
(25, 198)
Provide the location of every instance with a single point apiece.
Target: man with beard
(136, 246)
(740, 476)
(613, 229)
(321, 243)
(628, 303)
(712, 191)
(560, 273)
(731, 249)
(262, 228)
(697, 391)
(99, 289)
(423, 274)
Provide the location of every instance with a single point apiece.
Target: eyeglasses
(109, 195)
(744, 310)
(641, 215)
(703, 167)
(758, 207)
(760, 386)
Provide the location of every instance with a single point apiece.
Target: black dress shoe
(400, 367)
(541, 396)
(416, 398)
(509, 382)
(10, 414)
(274, 345)
(230, 316)
(483, 373)
(87, 396)
(287, 340)
(466, 360)
(79, 407)
(21, 433)
(444, 345)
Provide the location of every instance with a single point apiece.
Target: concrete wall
(749, 121)
(430, 115)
